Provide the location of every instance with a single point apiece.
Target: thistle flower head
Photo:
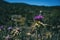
(9, 28)
(38, 17)
(1, 27)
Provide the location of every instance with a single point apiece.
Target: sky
(37, 2)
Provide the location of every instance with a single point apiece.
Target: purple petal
(38, 17)
(1, 27)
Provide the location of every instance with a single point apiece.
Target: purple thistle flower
(9, 28)
(1, 27)
(38, 17)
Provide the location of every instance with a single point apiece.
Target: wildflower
(9, 28)
(38, 17)
(1, 27)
